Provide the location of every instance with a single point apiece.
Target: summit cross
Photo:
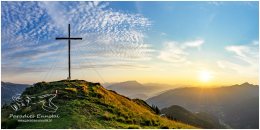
(69, 38)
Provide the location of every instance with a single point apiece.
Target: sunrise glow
(205, 76)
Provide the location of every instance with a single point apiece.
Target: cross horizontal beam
(68, 38)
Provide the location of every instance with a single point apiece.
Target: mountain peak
(131, 81)
(88, 105)
(132, 84)
(246, 84)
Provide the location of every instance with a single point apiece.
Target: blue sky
(131, 41)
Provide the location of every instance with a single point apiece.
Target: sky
(178, 43)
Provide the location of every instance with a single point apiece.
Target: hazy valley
(236, 106)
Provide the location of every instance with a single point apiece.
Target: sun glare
(205, 76)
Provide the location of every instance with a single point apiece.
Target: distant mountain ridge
(11, 89)
(134, 89)
(236, 105)
(201, 120)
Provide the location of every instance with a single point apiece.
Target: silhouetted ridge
(201, 120)
(236, 106)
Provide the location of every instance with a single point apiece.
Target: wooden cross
(68, 38)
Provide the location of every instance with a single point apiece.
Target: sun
(205, 76)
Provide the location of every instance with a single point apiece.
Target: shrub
(146, 123)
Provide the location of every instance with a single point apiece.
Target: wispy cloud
(163, 34)
(246, 53)
(216, 3)
(244, 59)
(195, 43)
(29, 30)
(112, 65)
(172, 53)
(55, 11)
(16, 71)
(177, 52)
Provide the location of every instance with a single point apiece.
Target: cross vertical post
(68, 38)
(69, 52)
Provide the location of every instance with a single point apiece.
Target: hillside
(134, 89)
(10, 89)
(202, 120)
(81, 104)
(237, 105)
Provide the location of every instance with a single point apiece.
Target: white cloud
(106, 33)
(172, 53)
(244, 59)
(238, 50)
(178, 52)
(195, 43)
(246, 53)
(56, 13)
(216, 3)
(163, 34)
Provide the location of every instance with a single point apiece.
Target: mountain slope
(83, 104)
(133, 89)
(201, 120)
(11, 89)
(239, 101)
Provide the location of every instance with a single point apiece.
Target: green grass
(88, 105)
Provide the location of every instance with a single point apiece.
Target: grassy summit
(82, 104)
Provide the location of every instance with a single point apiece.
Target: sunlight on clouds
(238, 50)
(178, 52)
(242, 54)
(172, 53)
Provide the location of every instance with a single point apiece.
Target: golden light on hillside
(205, 76)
